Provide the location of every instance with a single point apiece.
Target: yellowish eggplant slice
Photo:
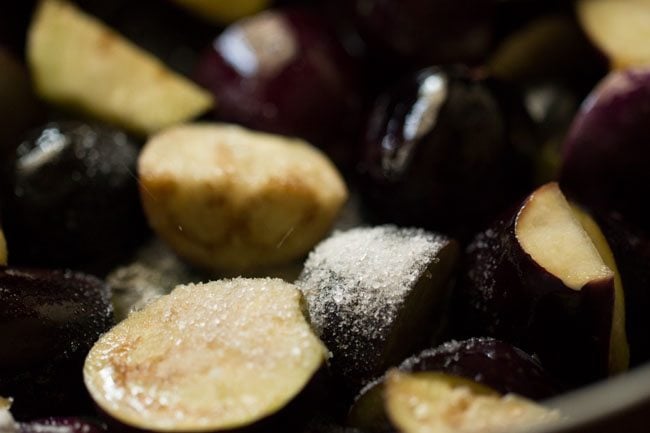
(78, 62)
(438, 403)
(207, 357)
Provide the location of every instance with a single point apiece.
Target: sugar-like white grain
(356, 281)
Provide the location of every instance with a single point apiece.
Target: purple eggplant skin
(62, 425)
(302, 82)
(71, 197)
(605, 156)
(504, 294)
(49, 320)
(631, 249)
(490, 362)
(436, 154)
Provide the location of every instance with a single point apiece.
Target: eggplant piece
(79, 63)
(544, 278)
(49, 320)
(619, 28)
(490, 362)
(376, 295)
(605, 157)
(437, 154)
(285, 72)
(219, 356)
(436, 403)
(72, 198)
(231, 200)
(486, 361)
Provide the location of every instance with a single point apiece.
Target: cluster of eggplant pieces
(522, 166)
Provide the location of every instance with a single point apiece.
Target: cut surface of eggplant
(438, 403)
(231, 200)
(548, 231)
(568, 243)
(617, 28)
(545, 279)
(80, 63)
(207, 357)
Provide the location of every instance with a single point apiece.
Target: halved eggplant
(231, 200)
(376, 295)
(217, 356)
(545, 279)
(486, 361)
(437, 403)
(80, 63)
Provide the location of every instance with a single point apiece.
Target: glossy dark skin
(295, 79)
(503, 293)
(425, 32)
(605, 156)
(72, 198)
(448, 170)
(48, 322)
(493, 363)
